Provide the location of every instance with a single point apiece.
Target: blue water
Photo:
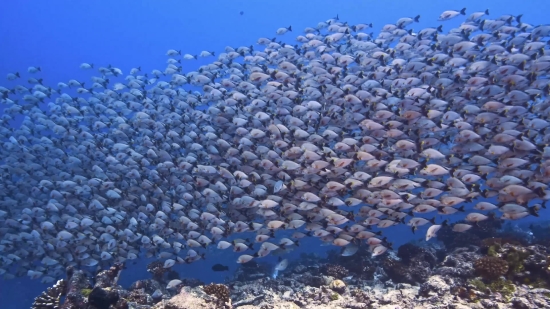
(59, 35)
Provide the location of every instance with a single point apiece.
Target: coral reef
(413, 264)
(109, 277)
(491, 267)
(101, 298)
(336, 271)
(474, 236)
(253, 270)
(156, 268)
(459, 264)
(502, 271)
(188, 299)
(50, 299)
(338, 286)
(221, 292)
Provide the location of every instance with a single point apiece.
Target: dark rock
(409, 251)
(520, 303)
(101, 298)
(171, 275)
(460, 263)
(191, 282)
(122, 304)
(314, 281)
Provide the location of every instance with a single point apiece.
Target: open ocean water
(58, 36)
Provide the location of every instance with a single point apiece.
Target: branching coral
(221, 292)
(50, 299)
(490, 267)
(157, 269)
(335, 271)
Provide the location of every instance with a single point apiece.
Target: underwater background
(59, 35)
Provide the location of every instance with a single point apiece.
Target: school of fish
(338, 137)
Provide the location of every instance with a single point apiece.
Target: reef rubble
(497, 272)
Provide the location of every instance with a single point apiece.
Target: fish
(336, 136)
(461, 227)
(281, 31)
(220, 267)
(432, 230)
(447, 15)
(379, 250)
(349, 250)
(280, 266)
(173, 284)
(157, 294)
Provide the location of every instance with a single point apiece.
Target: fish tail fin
(534, 211)
(444, 223)
(540, 192)
(432, 220)
(487, 12)
(463, 11)
(213, 53)
(417, 18)
(461, 208)
(289, 28)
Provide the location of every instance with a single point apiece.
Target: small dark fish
(241, 13)
(220, 267)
